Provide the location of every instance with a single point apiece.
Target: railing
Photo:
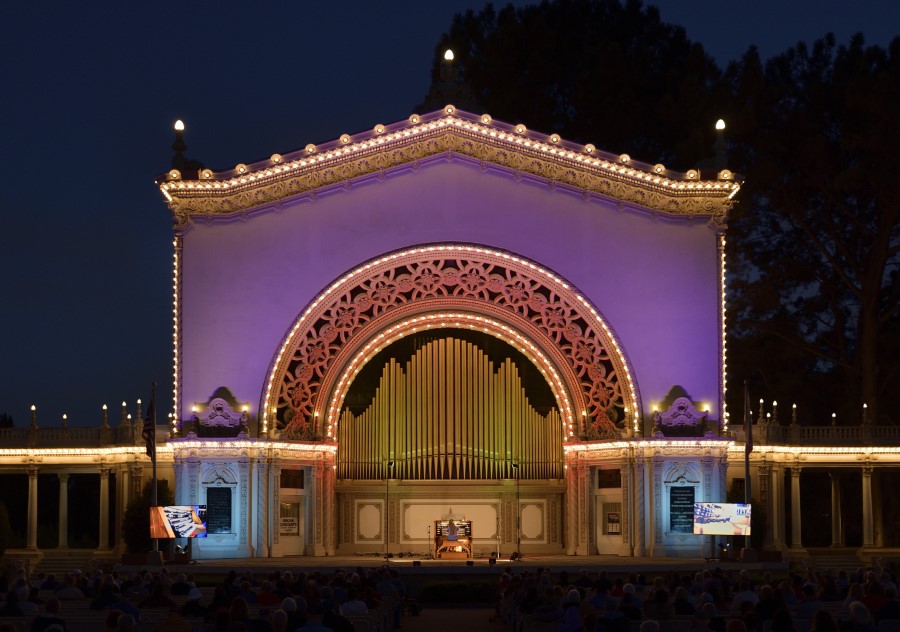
(821, 435)
(69, 437)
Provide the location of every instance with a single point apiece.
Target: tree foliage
(136, 521)
(813, 240)
(600, 71)
(817, 235)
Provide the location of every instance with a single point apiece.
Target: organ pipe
(450, 414)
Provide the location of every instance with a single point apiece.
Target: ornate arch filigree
(560, 321)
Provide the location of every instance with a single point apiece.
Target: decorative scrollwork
(500, 285)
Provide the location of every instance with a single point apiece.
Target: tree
(136, 521)
(591, 70)
(816, 239)
(6, 421)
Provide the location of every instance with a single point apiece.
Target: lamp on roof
(179, 162)
(721, 158)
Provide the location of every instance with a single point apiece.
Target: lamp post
(515, 466)
(387, 479)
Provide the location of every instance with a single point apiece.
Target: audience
(818, 601)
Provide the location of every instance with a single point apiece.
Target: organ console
(450, 546)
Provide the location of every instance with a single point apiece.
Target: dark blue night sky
(90, 92)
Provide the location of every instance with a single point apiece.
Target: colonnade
(128, 481)
(771, 493)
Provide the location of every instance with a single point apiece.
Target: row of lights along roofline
(517, 135)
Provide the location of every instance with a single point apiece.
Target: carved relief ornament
(448, 133)
(424, 279)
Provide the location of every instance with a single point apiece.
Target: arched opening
(360, 312)
(450, 404)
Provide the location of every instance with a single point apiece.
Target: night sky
(90, 92)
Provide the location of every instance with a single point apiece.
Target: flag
(748, 423)
(149, 431)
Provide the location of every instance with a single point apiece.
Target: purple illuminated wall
(245, 282)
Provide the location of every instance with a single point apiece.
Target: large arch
(566, 334)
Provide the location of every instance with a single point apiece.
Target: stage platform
(425, 566)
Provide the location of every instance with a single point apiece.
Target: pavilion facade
(452, 317)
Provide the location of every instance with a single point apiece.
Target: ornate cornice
(447, 133)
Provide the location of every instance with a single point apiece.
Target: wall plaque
(218, 510)
(681, 509)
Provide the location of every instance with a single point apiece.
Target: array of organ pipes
(450, 414)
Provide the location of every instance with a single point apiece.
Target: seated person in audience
(860, 619)
(50, 617)
(611, 619)
(192, 607)
(810, 605)
(782, 621)
(126, 624)
(353, 605)
(50, 583)
(745, 593)
(628, 607)
(658, 606)
(158, 599)
(11, 608)
(69, 589)
(682, 602)
(174, 622)
(891, 607)
(181, 586)
(105, 599)
(112, 620)
(823, 621)
(246, 593)
(267, 595)
(330, 618)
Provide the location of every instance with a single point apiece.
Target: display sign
(218, 509)
(681, 509)
(289, 526)
(289, 523)
(178, 521)
(613, 523)
(721, 519)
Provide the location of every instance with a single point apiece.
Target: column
(640, 507)
(328, 509)
(122, 486)
(795, 509)
(63, 510)
(776, 506)
(868, 523)
(571, 507)
(31, 541)
(104, 509)
(837, 532)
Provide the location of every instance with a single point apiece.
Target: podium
(459, 548)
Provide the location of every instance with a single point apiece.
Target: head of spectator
(649, 625)
(112, 620)
(823, 621)
(126, 623)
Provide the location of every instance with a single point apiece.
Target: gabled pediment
(446, 133)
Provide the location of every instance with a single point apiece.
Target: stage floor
(415, 565)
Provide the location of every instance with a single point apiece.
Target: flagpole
(154, 500)
(748, 448)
